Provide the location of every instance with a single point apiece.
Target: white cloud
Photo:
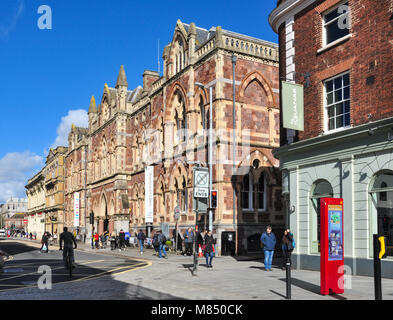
(15, 169)
(78, 117)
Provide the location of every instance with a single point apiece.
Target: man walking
(69, 245)
(268, 240)
(141, 239)
(122, 239)
(189, 241)
(162, 240)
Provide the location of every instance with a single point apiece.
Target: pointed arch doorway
(103, 224)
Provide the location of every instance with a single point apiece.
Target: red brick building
(342, 52)
(164, 124)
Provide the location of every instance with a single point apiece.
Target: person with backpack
(141, 239)
(268, 240)
(161, 240)
(288, 244)
(156, 243)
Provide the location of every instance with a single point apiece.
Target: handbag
(203, 247)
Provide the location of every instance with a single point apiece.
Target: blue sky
(48, 76)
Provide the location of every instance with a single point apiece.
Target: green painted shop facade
(355, 164)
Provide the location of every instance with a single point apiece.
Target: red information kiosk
(332, 245)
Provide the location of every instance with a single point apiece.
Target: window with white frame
(336, 23)
(337, 102)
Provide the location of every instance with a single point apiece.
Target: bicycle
(68, 260)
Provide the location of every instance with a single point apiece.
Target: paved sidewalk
(235, 278)
(231, 278)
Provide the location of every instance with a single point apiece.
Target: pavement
(231, 278)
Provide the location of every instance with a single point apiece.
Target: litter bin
(228, 244)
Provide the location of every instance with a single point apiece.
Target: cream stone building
(36, 198)
(54, 181)
(164, 124)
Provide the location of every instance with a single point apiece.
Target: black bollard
(288, 276)
(377, 269)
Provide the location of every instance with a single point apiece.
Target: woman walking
(209, 249)
(287, 247)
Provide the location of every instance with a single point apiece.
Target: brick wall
(367, 55)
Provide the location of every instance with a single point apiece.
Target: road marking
(13, 270)
(35, 273)
(143, 264)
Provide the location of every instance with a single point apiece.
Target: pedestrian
(92, 240)
(44, 242)
(268, 240)
(188, 241)
(31, 236)
(201, 237)
(113, 240)
(127, 237)
(156, 243)
(141, 239)
(161, 241)
(55, 238)
(287, 247)
(122, 240)
(208, 248)
(97, 240)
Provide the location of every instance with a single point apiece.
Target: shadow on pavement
(304, 285)
(279, 294)
(93, 277)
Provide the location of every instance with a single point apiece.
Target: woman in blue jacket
(268, 240)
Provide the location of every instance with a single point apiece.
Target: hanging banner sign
(292, 106)
(76, 209)
(149, 194)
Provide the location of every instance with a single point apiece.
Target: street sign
(201, 192)
(177, 212)
(201, 183)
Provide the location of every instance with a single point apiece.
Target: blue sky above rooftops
(47, 77)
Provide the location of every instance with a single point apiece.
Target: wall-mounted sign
(292, 105)
(149, 194)
(76, 209)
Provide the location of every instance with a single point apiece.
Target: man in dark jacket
(189, 241)
(122, 240)
(268, 240)
(141, 239)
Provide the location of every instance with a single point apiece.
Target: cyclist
(69, 240)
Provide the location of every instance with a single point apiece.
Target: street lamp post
(210, 151)
(234, 137)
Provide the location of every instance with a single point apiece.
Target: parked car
(2, 233)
